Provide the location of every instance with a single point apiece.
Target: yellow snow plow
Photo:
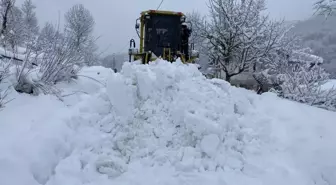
(163, 34)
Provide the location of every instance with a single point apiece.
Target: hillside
(319, 34)
(163, 123)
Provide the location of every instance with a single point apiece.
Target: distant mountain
(316, 24)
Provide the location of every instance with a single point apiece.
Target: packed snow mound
(163, 123)
(169, 114)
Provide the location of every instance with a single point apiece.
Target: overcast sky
(115, 19)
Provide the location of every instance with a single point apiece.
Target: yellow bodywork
(166, 51)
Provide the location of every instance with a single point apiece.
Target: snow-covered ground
(166, 124)
(331, 84)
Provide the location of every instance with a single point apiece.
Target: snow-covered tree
(89, 52)
(60, 63)
(4, 73)
(196, 38)
(6, 7)
(11, 24)
(79, 25)
(79, 29)
(59, 57)
(47, 37)
(238, 35)
(196, 19)
(14, 36)
(326, 7)
(30, 23)
(297, 74)
(58, 60)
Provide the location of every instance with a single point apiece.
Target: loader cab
(162, 31)
(163, 34)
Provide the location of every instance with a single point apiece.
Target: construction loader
(165, 35)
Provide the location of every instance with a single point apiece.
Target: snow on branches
(239, 38)
(49, 55)
(325, 7)
(297, 75)
(238, 35)
(4, 73)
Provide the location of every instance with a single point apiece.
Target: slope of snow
(163, 123)
(37, 133)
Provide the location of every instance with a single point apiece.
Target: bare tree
(79, 26)
(238, 35)
(325, 7)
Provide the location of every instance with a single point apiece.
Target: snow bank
(170, 115)
(37, 133)
(91, 80)
(30, 133)
(163, 123)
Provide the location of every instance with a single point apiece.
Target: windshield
(162, 31)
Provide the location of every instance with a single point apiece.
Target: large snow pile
(163, 123)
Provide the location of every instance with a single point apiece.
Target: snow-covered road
(166, 124)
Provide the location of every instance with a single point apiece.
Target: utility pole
(114, 63)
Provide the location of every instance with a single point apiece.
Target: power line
(160, 4)
(123, 48)
(127, 44)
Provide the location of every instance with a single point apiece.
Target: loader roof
(162, 12)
